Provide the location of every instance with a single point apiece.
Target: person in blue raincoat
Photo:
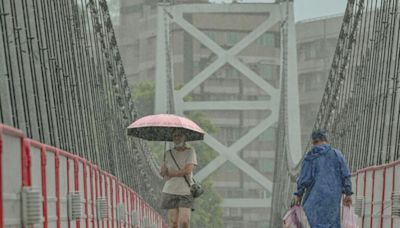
(324, 179)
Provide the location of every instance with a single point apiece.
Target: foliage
(208, 211)
(205, 153)
(143, 96)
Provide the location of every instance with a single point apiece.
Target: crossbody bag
(195, 189)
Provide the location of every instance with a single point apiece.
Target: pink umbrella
(160, 127)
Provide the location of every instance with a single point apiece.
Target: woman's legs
(173, 215)
(184, 217)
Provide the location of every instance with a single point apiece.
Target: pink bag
(294, 218)
(349, 218)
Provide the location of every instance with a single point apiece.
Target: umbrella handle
(165, 148)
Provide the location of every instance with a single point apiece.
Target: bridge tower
(174, 86)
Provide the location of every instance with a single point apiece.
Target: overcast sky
(307, 9)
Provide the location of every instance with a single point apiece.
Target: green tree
(208, 211)
(208, 207)
(143, 96)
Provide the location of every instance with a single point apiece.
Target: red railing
(56, 174)
(376, 186)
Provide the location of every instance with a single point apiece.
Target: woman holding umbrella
(177, 169)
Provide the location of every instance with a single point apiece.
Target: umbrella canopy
(160, 127)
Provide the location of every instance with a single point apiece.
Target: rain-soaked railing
(62, 82)
(361, 104)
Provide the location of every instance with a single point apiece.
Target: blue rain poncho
(324, 177)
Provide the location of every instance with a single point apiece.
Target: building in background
(136, 33)
(316, 45)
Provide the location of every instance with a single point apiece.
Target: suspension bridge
(360, 108)
(65, 103)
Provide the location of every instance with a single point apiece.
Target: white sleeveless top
(178, 185)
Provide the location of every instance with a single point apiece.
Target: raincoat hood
(317, 151)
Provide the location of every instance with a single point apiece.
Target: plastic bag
(294, 217)
(349, 218)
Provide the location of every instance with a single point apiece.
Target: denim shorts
(171, 201)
